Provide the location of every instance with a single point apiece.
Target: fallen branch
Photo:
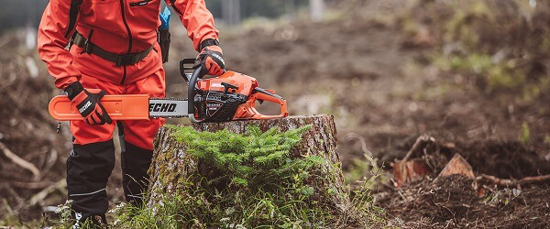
(39, 197)
(362, 141)
(19, 161)
(30, 185)
(513, 183)
(419, 144)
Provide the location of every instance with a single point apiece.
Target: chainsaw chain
(165, 98)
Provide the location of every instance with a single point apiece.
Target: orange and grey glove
(211, 58)
(87, 103)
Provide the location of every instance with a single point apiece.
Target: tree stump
(171, 162)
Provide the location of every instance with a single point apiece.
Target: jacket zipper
(129, 38)
(141, 3)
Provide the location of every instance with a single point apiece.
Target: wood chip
(457, 165)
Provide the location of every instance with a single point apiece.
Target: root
(513, 183)
(419, 144)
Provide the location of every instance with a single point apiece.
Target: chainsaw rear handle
(265, 95)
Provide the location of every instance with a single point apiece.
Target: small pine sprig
(244, 158)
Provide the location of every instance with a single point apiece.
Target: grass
(498, 45)
(525, 136)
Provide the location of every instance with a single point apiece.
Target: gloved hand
(87, 103)
(211, 59)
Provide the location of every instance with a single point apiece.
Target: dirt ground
(451, 202)
(384, 86)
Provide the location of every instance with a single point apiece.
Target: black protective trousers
(89, 168)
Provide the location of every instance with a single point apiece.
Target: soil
(375, 78)
(451, 202)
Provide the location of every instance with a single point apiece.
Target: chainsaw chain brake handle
(191, 80)
(183, 69)
(198, 73)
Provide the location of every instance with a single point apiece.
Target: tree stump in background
(171, 163)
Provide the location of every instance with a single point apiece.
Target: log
(171, 164)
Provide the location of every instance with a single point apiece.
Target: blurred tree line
(260, 8)
(18, 13)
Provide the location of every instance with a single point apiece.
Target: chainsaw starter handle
(198, 73)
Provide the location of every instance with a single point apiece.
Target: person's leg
(90, 163)
(138, 138)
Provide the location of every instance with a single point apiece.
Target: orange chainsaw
(231, 96)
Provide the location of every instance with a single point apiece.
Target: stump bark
(171, 163)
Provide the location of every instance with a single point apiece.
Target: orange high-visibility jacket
(119, 26)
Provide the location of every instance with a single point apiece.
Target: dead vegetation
(32, 154)
(456, 196)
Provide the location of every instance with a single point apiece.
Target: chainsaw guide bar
(123, 107)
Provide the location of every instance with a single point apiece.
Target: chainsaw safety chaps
(137, 132)
(135, 163)
(88, 169)
(92, 159)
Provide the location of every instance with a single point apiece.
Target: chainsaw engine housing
(230, 96)
(217, 99)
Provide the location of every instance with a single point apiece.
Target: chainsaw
(230, 96)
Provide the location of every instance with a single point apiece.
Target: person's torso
(120, 27)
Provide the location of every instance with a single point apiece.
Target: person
(98, 47)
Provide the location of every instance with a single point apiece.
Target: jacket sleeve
(53, 36)
(196, 18)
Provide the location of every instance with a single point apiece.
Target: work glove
(87, 103)
(211, 58)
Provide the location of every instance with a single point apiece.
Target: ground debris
(451, 202)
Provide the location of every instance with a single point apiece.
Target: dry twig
(39, 197)
(513, 183)
(419, 144)
(362, 141)
(404, 170)
(19, 161)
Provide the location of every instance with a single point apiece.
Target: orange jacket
(119, 26)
